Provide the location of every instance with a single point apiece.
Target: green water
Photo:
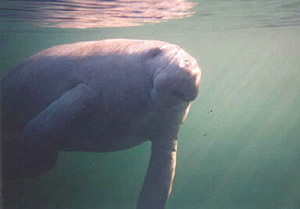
(240, 145)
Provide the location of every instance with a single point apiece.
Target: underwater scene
(238, 148)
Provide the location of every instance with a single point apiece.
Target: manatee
(99, 96)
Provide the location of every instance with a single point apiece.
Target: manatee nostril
(187, 63)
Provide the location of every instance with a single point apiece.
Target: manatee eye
(154, 52)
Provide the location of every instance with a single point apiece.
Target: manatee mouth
(181, 96)
(167, 100)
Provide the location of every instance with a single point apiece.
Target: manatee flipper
(160, 174)
(58, 117)
(35, 150)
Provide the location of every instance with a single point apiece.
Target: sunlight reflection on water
(95, 13)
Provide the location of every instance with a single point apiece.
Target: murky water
(239, 147)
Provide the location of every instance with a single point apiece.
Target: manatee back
(110, 67)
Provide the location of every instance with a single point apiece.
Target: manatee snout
(187, 86)
(178, 81)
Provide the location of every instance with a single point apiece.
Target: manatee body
(99, 96)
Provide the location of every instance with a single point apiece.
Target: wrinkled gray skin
(99, 96)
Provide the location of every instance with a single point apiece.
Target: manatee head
(176, 77)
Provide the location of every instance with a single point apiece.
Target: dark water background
(240, 146)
